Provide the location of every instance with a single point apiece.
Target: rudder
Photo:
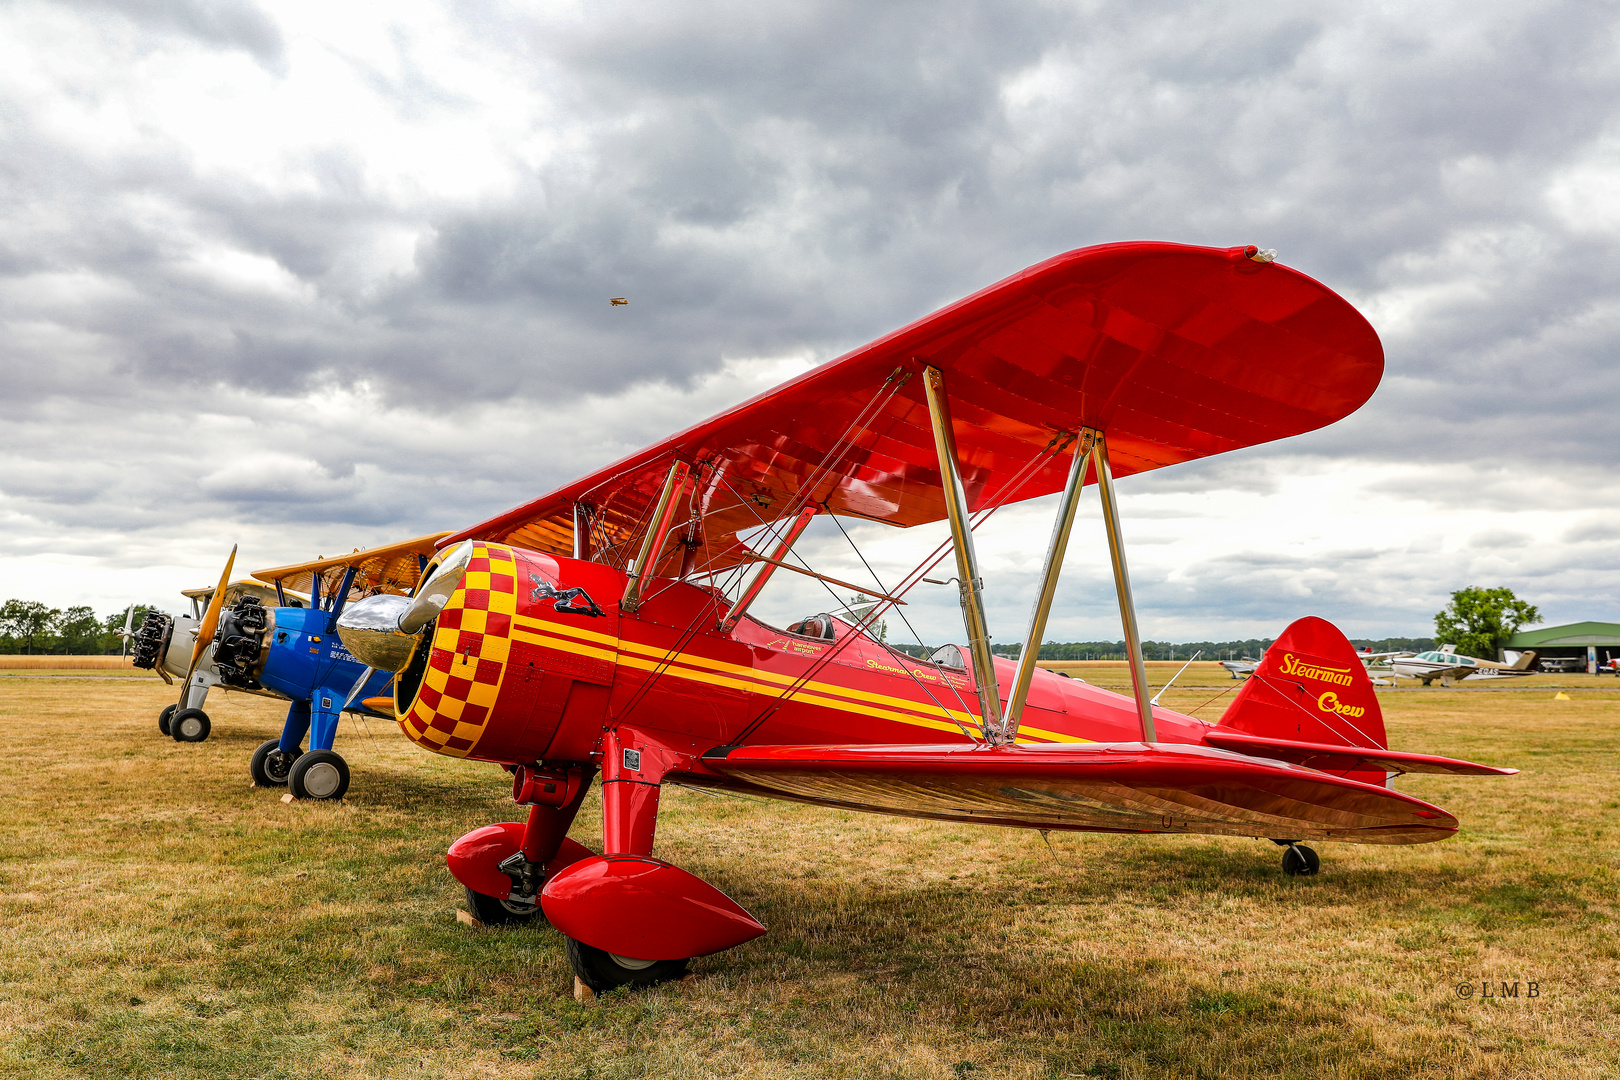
(1311, 686)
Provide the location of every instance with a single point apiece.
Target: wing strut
(582, 532)
(1061, 527)
(969, 582)
(767, 568)
(652, 544)
(1122, 584)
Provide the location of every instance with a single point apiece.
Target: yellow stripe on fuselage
(697, 668)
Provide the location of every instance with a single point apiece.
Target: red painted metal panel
(473, 858)
(644, 908)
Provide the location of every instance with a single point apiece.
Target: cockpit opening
(816, 626)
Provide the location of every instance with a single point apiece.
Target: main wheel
(269, 767)
(190, 725)
(319, 774)
(602, 971)
(1301, 861)
(493, 911)
(164, 717)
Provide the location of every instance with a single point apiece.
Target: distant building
(1579, 646)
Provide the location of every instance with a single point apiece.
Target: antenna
(1174, 677)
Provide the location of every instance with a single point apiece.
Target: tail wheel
(493, 911)
(320, 775)
(269, 767)
(603, 971)
(1301, 861)
(164, 717)
(190, 725)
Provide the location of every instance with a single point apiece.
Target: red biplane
(592, 631)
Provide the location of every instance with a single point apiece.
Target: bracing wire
(1001, 498)
(840, 446)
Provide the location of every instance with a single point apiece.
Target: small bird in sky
(618, 301)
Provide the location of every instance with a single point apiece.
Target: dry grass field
(164, 919)
(77, 664)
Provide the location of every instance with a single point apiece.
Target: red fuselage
(507, 677)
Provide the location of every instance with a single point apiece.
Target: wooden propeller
(206, 628)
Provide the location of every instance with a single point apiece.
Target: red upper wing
(1175, 352)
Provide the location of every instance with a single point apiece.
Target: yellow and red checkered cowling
(504, 660)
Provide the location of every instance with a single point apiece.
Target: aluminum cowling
(431, 596)
(370, 630)
(382, 630)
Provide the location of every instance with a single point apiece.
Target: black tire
(269, 767)
(190, 725)
(602, 971)
(320, 775)
(493, 911)
(1301, 861)
(164, 717)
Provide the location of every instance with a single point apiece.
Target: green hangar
(1578, 646)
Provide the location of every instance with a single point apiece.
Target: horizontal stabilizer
(1094, 787)
(1340, 758)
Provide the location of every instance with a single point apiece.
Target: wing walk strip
(703, 669)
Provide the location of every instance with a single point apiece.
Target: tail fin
(1311, 687)
(1526, 661)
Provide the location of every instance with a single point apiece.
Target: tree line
(32, 628)
(1477, 621)
(1183, 650)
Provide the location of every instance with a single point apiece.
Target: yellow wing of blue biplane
(391, 568)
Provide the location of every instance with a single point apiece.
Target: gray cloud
(231, 24)
(790, 180)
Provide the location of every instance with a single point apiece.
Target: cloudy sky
(307, 276)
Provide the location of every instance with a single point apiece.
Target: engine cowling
(518, 664)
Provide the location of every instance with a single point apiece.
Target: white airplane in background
(1449, 666)
(1242, 669)
(1379, 665)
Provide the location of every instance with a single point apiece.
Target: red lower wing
(1332, 756)
(1099, 787)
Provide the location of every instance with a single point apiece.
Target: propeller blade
(359, 684)
(205, 629)
(129, 620)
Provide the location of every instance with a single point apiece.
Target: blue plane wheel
(269, 767)
(164, 717)
(603, 971)
(493, 911)
(189, 725)
(320, 775)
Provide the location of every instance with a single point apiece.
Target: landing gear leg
(629, 822)
(190, 723)
(543, 838)
(322, 773)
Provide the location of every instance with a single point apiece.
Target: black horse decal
(565, 599)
